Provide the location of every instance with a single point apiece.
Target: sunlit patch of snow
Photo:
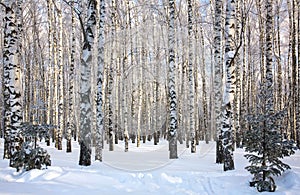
(171, 179)
(231, 54)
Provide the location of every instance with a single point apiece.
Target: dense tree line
(144, 70)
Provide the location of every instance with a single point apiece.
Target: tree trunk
(171, 84)
(61, 81)
(269, 55)
(229, 91)
(85, 85)
(191, 78)
(298, 84)
(100, 129)
(12, 83)
(71, 125)
(218, 66)
(238, 62)
(124, 88)
(294, 72)
(140, 105)
(204, 89)
(261, 38)
(55, 81)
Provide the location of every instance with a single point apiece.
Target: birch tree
(100, 129)
(229, 88)
(171, 84)
(298, 84)
(294, 93)
(125, 76)
(71, 124)
(261, 38)
(140, 104)
(60, 122)
(55, 79)
(1, 87)
(238, 62)
(12, 82)
(204, 89)
(85, 85)
(50, 60)
(269, 57)
(218, 77)
(191, 77)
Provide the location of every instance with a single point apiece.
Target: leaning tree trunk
(85, 85)
(229, 91)
(13, 115)
(171, 84)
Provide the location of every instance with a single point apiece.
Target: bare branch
(78, 13)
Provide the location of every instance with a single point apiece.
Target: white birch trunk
(125, 77)
(50, 67)
(229, 91)
(298, 84)
(238, 61)
(12, 82)
(60, 80)
(294, 72)
(140, 105)
(71, 128)
(156, 85)
(218, 66)
(100, 128)
(55, 82)
(171, 84)
(204, 89)
(191, 78)
(269, 56)
(85, 85)
(110, 78)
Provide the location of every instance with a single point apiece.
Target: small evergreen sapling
(265, 145)
(31, 156)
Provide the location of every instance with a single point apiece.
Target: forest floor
(143, 170)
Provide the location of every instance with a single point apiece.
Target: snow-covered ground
(143, 170)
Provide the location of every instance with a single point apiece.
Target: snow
(143, 170)
(231, 54)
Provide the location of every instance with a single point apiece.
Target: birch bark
(100, 128)
(13, 113)
(191, 77)
(171, 84)
(85, 85)
(218, 78)
(71, 128)
(229, 88)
